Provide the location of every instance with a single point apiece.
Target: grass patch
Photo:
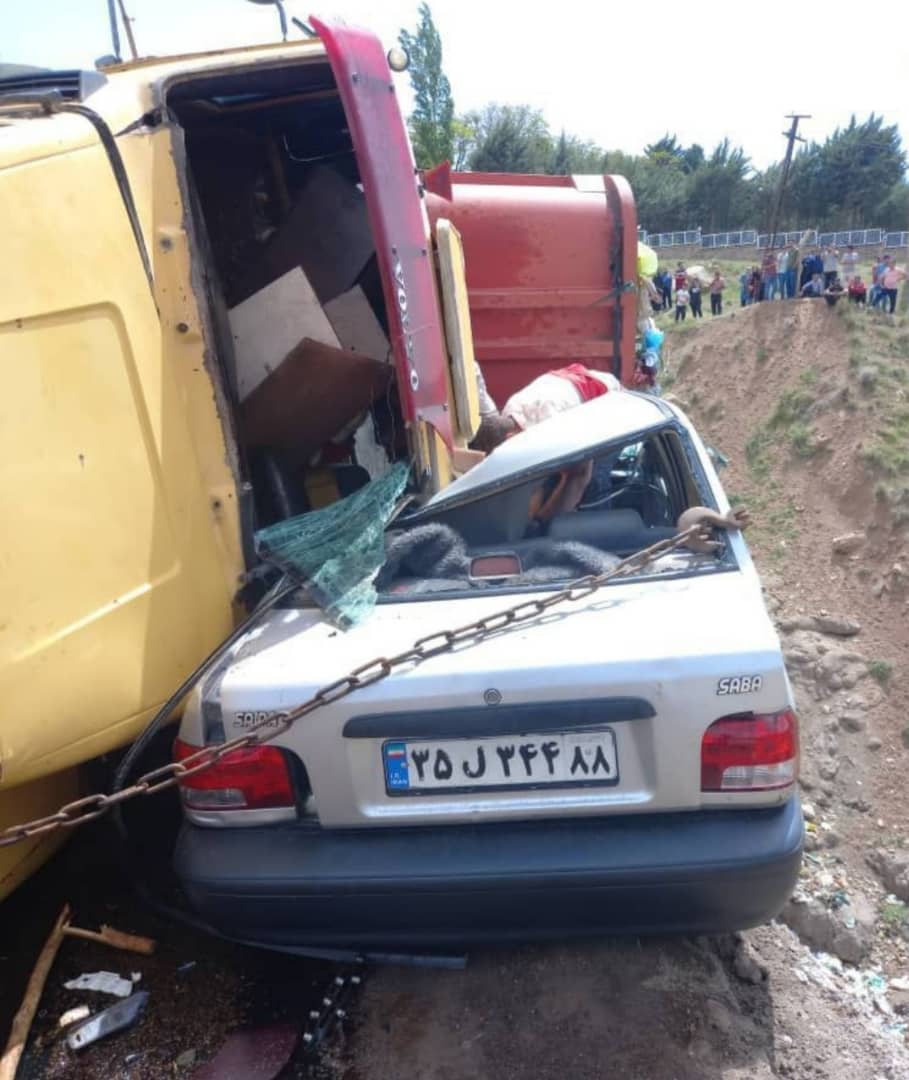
(804, 439)
(894, 916)
(762, 355)
(881, 671)
(791, 415)
(794, 406)
(757, 454)
(885, 348)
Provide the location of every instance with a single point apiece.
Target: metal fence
(673, 239)
(751, 238)
(784, 239)
(856, 237)
(742, 238)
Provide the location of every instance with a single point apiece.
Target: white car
(626, 762)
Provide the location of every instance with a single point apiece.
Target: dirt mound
(811, 407)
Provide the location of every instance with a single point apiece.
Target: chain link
(91, 807)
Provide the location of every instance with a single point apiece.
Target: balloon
(648, 260)
(653, 339)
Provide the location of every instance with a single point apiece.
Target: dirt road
(754, 1007)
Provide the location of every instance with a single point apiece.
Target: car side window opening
(581, 518)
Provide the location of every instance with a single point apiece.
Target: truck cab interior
(289, 270)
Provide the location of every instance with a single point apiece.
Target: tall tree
(432, 122)
(718, 191)
(848, 180)
(572, 156)
(510, 138)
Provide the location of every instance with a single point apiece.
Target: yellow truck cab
(227, 298)
(171, 229)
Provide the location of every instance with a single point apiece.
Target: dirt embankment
(811, 407)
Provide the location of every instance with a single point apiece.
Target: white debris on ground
(104, 982)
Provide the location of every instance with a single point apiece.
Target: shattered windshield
(582, 518)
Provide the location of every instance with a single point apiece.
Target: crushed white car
(626, 762)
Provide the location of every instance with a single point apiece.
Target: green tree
(432, 122)
(511, 139)
(848, 180)
(718, 191)
(573, 156)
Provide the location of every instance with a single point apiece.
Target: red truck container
(551, 266)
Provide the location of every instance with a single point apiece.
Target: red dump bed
(551, 267)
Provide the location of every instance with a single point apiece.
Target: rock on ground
(893, 870)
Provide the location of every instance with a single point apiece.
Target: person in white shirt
(850, 263)
(831, 265)
(547, 395)
(681, 304)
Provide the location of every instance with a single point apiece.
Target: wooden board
(272, 322)
(315, 392)
(355, 325)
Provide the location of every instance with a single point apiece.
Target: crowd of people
(684, 289)
(823, 273)
(831, 275)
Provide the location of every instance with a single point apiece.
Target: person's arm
(547, 501)
(708, 519)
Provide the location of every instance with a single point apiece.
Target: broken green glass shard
(335, 552)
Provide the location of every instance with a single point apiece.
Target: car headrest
(618, 531)
(608, 529)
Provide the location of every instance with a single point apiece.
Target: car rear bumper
(435, 887)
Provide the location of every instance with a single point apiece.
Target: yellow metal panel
(458, 332)
(115, 574)
(25, 803)
(187, 344)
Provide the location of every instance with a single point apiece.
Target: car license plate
(552, 759)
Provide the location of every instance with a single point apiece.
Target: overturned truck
(228, 298)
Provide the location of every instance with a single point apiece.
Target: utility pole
(792, 136)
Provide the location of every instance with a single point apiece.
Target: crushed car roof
(560, 440)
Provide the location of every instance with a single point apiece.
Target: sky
(618, 74)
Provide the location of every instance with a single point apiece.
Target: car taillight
(254, 778)
(751, 752)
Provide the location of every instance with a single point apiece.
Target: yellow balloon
(648, 260)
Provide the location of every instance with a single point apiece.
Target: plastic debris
(899, 983)
(117, 1018)
(72, 1016)
(104, 982)
(186, 1060)
(188, 966)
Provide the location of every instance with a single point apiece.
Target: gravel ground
(756, 1006)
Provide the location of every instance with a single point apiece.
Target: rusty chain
(81, 811)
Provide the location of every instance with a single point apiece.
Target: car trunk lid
(641, 662)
